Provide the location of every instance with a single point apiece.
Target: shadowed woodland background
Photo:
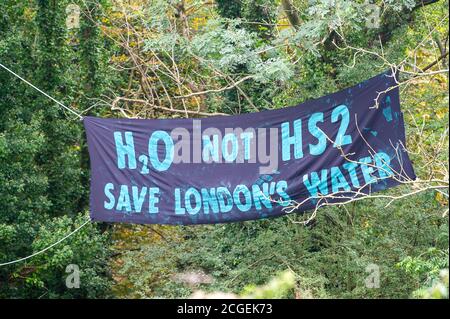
(192, 58)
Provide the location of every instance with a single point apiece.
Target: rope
(47, 248)
(42, 92)
(76, 229)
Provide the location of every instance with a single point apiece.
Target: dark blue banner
(232, 168)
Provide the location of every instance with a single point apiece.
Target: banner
(333, 149)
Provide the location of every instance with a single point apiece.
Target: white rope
(78, 228)
(39, 90)
(47, 248)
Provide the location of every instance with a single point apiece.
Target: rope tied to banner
(71, 110)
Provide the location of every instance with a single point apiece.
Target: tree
(40, 179)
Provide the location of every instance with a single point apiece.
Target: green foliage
(277, 288)
(328, 259)
(232, 49)
(41, 177)
(407, 240)
(428, 264)
(229, 8)
(438, 289)
(46, 273)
